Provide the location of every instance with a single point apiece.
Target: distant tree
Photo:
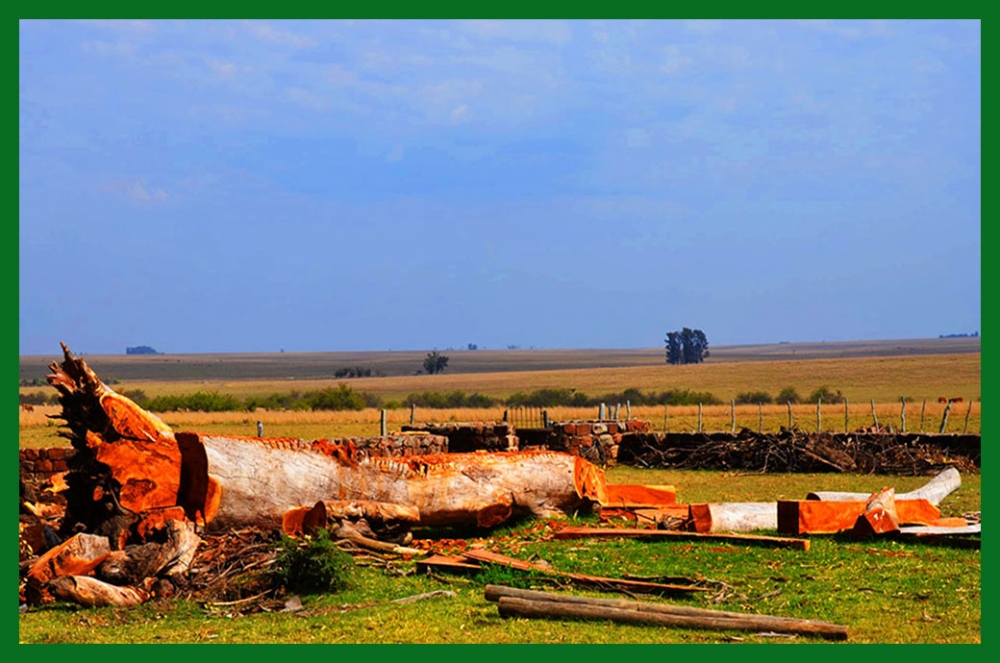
(753, 398)
(823, 393)
(472, 346)
(141, 350)
(688, 346)
(435, 363)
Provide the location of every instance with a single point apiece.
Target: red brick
(57, 453)
(43, 465)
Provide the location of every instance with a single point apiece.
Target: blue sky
(214, 186)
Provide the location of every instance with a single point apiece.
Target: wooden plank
(632, 586)
(737, 539)
(629, 496)
(447, 563)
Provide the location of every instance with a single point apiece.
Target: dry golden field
(861, 379)
(38, 431)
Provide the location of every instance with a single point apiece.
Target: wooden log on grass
(934, 491)
(494, 593)
(91, 592)
(78, 555)
(734, 516)
(509, 606)
(129, 462)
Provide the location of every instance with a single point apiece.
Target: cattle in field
(957, 399)
(942, 400)
(28, 407)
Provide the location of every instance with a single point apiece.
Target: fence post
(732, 416)
(847, 424)
(965, 429)
(505, 416)
(819, 415)
(413, 413)
(260, 429)
(617, 405)
(874, 416)
(944, 418)
(760, 418)
(628, 410)
(545, 418)
(666, 413)
(381, 423)
(902, 414)
(922, 409)
(600, 412)
(789, 415)
(699, 417)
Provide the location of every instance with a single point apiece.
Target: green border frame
(956, 9)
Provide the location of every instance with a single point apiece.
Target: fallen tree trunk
(734, 516)
(91, 592)
(767, 622)
(129, 463)
(516, 607)
(943, 484)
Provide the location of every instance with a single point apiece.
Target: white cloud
(269, 33)
(551, 32)
(139, 193)
(220, 67)
(460, 113)
(396, 154)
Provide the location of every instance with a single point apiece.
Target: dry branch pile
(793, 450)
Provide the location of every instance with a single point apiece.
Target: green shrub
(827, 396)
(341, 398)
(788, 395)
(200, 401)
(753, 398)
(312, 565)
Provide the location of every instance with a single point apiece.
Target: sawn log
(943, 484)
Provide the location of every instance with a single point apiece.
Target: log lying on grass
(91, 592)
(376, 520)
(734, 516)
(548, 604)
(666, 535)
(129, 464)
(78, 555)
(943, 484)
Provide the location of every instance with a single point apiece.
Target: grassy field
(883, 591)
(884, 379)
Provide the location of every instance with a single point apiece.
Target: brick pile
(466, 437)
(400, 445)
(597, 441)
(37, 465)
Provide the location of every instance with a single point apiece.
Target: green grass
(884, 591)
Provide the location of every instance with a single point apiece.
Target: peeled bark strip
(91, 592)
(763, 622)
(130, 464)
(515, 607)
(734, 516)
(943, 484)
(823, 517)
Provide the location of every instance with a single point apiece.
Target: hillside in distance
(323, 365)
